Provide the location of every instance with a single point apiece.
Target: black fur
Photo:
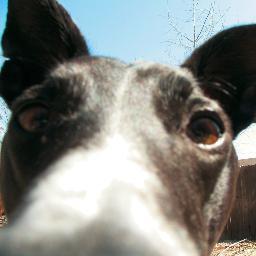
(89, 99)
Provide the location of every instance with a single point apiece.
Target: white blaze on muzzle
(110, 187)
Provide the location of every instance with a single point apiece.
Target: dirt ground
(242, 248)
(3, 221)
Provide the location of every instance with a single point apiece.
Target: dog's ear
(225, 67)
(38, 35)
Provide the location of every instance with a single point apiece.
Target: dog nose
(129, 224)
(120, 224)
(101, 203)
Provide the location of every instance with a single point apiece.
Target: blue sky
(139, 30)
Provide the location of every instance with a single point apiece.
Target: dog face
(102, 157)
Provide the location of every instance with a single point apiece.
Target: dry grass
(242, 248)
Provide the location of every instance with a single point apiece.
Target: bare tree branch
(178, 32)
(204, 23)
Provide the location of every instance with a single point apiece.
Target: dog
(102, 157)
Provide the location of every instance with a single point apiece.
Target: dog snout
(101, 203)
(120, 222)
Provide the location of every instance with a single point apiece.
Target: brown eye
(33, 118)
(205, 130)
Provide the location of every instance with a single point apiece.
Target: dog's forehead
(106, 75)
(123, 98)
(90, 71)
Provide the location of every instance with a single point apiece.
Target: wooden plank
(242, 223)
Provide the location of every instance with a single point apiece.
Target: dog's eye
(33, 118)
(205, 130)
